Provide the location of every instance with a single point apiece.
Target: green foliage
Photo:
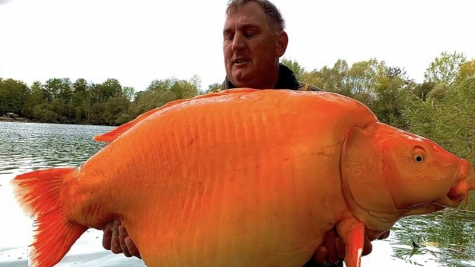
(59, 100)
(421, 90)
(129, 93)
(35, 98)
(44, 113)
(332, 79)
(391, 89)
(160, 92)
(466, 69)
(115, 110)
(212, 88)
(13, 95)
(444, 69)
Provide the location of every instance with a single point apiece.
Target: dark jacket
(286, 80)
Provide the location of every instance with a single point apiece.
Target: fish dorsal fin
(112, 135)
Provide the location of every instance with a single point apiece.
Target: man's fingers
(384, 235)
(320, 255)
(134, 251)
(107, 237)
(340, 249)
(115, 241)
(367, 246)
(122, 235)
(331, 241)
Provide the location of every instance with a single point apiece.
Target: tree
(466, 69)
(13, 96)
(161, 84)
(34, 99)
(361, 80)
(391, 89)
(195, 81)
(312, 78)
(81, 100)
(108, 89)
(59, 93)
(147, 100)
(421, 90)
(115, 110)
(44, 113)
(129, 93)
(444, 69)
(333, 79)
(184, 89)
(215, 87)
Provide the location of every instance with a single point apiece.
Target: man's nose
(238, 42)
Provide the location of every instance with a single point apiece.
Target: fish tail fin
(352, 231)
(39, 194)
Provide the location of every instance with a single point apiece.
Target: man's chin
(241, 80)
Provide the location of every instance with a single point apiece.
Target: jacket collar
(286, 80)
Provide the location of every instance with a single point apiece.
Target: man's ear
(282, 42)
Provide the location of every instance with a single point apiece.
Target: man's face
(252, 48)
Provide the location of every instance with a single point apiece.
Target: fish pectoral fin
(112, 135)
(352, 231)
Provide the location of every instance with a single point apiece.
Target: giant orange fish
(244, 178)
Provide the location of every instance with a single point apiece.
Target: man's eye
(251, 34)
(228, 37)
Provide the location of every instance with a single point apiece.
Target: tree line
(441, 108)
(59, 100)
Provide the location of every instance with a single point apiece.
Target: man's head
(253, 41)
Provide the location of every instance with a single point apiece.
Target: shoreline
(25, 120)
(19, 119)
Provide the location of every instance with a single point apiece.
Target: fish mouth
(457, 194)
(464, 182)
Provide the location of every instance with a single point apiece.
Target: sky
(139, 41)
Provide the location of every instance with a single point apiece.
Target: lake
(444, 238)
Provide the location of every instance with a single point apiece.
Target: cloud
(4, 2)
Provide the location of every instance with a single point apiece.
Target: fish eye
(419, 158)
(419, 154)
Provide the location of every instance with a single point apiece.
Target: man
(253, 42)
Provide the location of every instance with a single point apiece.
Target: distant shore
(19, 119)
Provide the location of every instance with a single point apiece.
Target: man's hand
(117, 240)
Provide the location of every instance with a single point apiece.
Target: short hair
(270, 10)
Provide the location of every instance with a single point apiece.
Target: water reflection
(447, 237)
(440, 239)
(25, 146)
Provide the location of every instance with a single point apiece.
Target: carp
(244, 177)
